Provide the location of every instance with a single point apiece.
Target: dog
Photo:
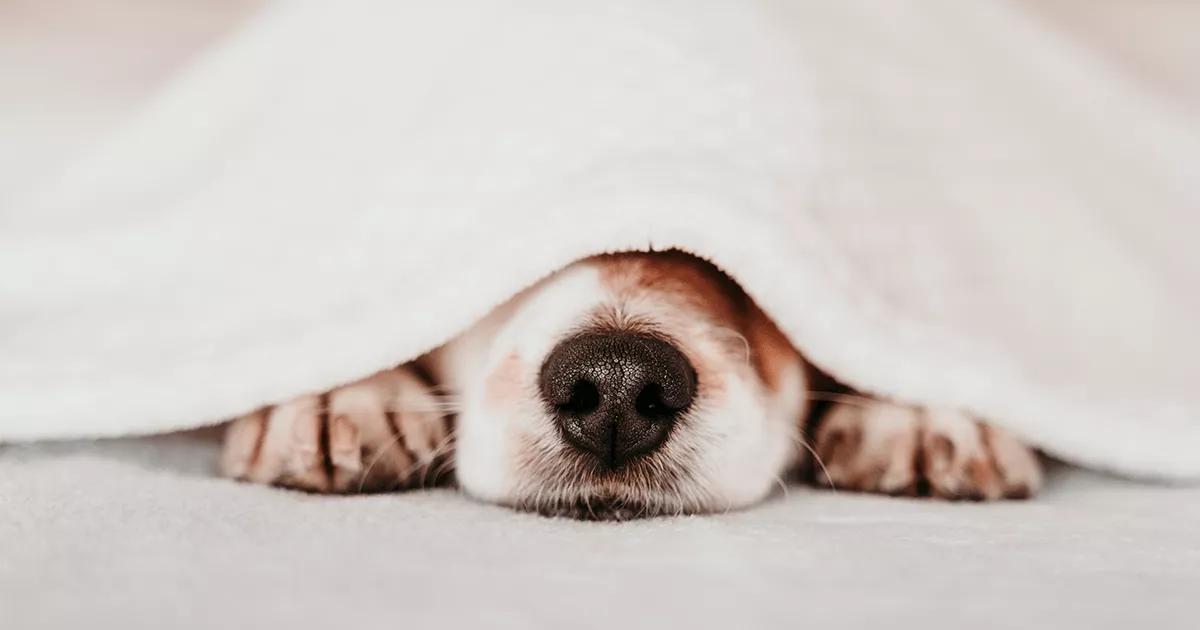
(625, 385)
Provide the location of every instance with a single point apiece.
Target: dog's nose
(616, 395)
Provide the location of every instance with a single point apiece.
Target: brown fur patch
(682, 278)
(693, 285)
(323, 438)
(771, 353)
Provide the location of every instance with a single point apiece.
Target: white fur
(530, 328)
(741, 444)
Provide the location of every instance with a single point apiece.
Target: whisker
(362, 481)
(419, 462)
(854, 399)
(443, 409)
(782, 485)
(799, 439)
(443, 447)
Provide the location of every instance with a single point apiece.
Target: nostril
(616, 395)
(650, 404)
(585, 398)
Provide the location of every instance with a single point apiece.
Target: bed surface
(140, 534)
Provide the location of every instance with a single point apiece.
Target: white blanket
(941, 202)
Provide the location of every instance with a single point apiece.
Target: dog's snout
(616, 395)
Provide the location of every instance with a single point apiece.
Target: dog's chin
(601, 508)
(595, 509)
(571, 485)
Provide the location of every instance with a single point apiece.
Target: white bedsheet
(138, 534)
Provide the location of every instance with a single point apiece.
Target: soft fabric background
(128, 535)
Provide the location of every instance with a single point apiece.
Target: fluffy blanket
(938, 201)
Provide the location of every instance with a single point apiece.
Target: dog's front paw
(381, 433)
(892, 449)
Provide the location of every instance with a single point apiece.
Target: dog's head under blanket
(641, 383)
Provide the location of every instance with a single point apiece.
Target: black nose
(616, 395)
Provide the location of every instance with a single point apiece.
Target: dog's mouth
(595, 509)
(558, 481)
(581, 489)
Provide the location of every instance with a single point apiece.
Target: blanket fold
(943, 203)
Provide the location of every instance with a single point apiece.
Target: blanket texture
(941, 202)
